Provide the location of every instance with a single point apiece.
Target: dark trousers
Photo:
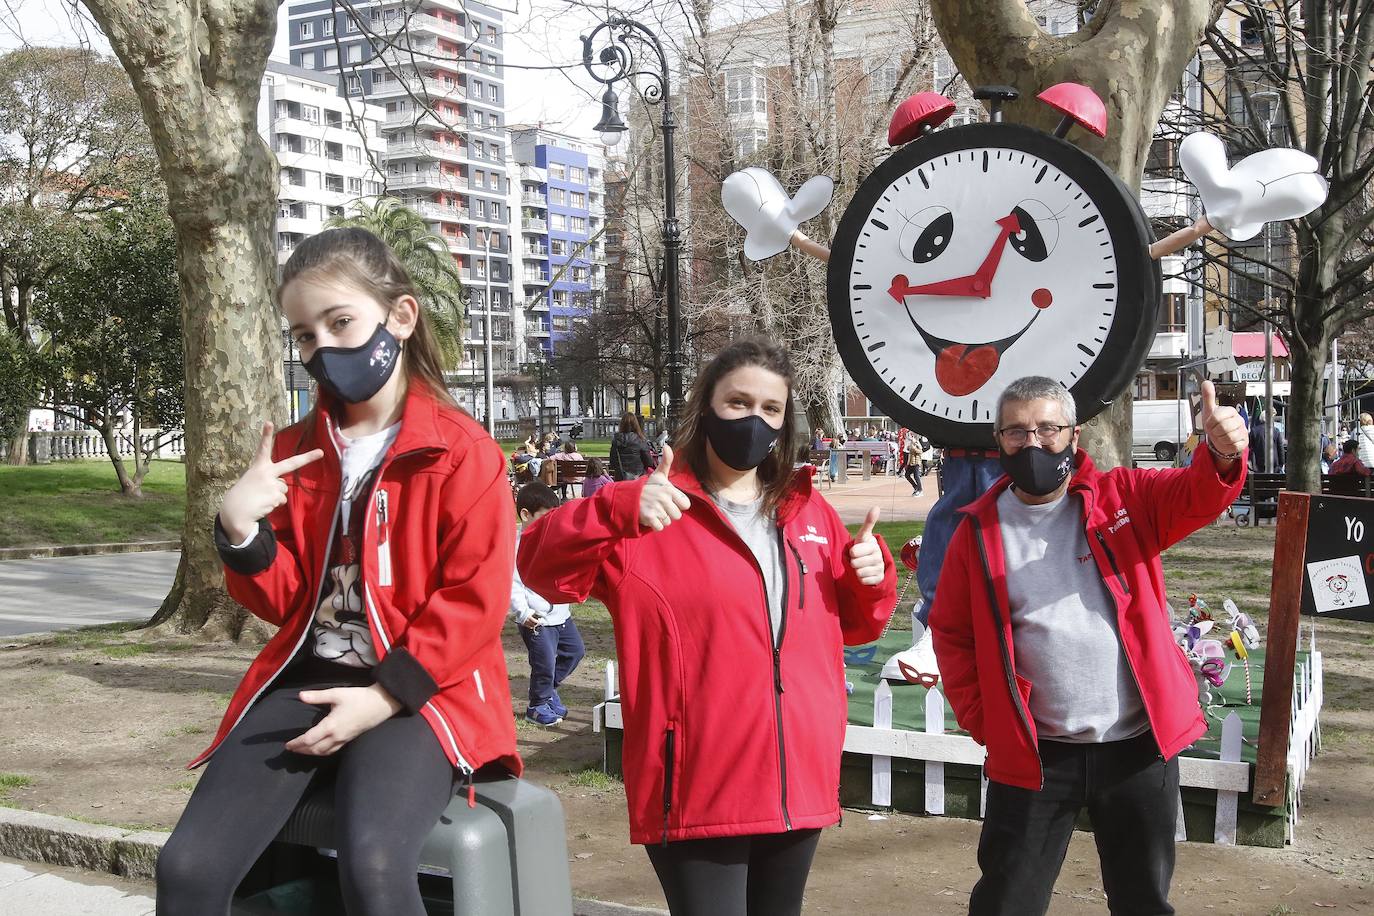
(763, 875)
(913, 474)
(554, 654)
(391, 783)
(1131, 794)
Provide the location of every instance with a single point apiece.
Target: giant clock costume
(976, 255)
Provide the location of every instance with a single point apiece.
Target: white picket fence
(1228, 777)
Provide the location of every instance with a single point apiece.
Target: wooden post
(1280, 648)
(868, 464)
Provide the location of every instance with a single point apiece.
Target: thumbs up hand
(661, 503)
(865, 556)
(1223, 427)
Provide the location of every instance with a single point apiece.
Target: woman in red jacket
(378, 534)
(732, 586)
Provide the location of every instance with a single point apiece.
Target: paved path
(892, 496)
(27, 889)
(60, 592)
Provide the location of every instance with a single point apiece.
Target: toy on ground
(1209, 656)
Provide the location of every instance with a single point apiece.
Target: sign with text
(1338, 561)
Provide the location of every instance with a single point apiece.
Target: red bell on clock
(922, 112)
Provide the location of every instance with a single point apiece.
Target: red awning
(1250, 345)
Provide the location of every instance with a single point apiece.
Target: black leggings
(391, 785)
(762, 875)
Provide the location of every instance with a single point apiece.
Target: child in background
(548, 630)
(596, 477)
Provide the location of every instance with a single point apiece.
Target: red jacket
(1130, 517)
(443, 521)
(724, 736)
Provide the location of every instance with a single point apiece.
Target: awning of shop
(1250, 345)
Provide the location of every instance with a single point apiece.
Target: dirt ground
(97, 725)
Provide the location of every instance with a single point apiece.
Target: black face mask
(1038, 471)
(355, 374)
(742, 443)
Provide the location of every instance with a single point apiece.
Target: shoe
(543, 715)
(556, 704)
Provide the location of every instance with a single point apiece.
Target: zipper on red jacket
(1111, 560)
(777, 674)
(668, 745)
(801, 571)
(1130, 665)
(1002, 636)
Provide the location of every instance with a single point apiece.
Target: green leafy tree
(426, 257)
(112, 321)
(17, 385)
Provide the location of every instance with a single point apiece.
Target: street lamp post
(616, 61)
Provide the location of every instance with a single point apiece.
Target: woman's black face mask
(744, 442)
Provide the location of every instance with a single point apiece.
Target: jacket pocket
(1023, 687)
(802, 570)
(669, 751)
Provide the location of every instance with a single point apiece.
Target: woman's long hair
(689, 442)
(629, 423)
(355, 257)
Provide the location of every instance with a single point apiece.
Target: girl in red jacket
(732, 586)
(378, 535)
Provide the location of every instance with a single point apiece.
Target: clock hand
(978, 283)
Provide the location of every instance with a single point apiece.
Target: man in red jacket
(1056, 652)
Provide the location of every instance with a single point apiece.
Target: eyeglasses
(1047, 433)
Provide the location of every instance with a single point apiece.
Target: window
(882, 79)
(479, 209)
(577, 223)
(559, 221)
(333, 183)
(491, 91)
(558, 196)
(310, 113)
(558, 247)
(311, 146)
(355, 153)
(746, 92)
(578, 199)
(491, 64)
(373, 188)
(355, 85)
(558, 170)
(355, 185)
(331, 58)
(350, 24)
(491, 35)
(327, 28)
(307, 31)
(495, 212)
(1172, 314)
(579, 275)
(577, 174)
(944, 70)
(1162, 161)
(749, 142)
(308, 60)
(355, 53)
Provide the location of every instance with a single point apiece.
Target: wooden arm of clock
(1180, 239)
(806, 246)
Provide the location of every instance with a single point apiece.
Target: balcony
(426, 179)
(431, 210)
(299, 225)
(411, 86)
(1169, 343)
(535, 252)
(417, 117)
(534, 225)
(534, 277)
(535, 200)
(395, 21)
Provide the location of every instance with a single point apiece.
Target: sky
(542, 35)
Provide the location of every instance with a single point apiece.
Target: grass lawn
(588, 448)
(78, 502)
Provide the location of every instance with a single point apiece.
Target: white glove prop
(755, 200)
(1273, 184)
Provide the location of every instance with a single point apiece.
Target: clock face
(977, 255)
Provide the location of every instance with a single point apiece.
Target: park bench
(1259, 500)
(1347, 485)
(504, 854)
(820, 460)
(569, 473)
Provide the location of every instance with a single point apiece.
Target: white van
(1159, 426)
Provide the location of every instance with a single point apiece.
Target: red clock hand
(977, 284)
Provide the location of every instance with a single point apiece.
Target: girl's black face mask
(1038, 471)
(742, 443)
(355, 374)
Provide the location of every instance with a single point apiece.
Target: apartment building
(435, 67)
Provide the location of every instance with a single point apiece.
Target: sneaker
(543, 715)
(556, 704)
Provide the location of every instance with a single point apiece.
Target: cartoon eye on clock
(975, 255)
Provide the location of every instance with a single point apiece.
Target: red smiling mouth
(963, 368)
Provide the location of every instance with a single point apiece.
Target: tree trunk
(197, 70)
(127, 486)
(19, 444)
(1133, 54)
(1303, 422)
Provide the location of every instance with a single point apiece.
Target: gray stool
(506, 857)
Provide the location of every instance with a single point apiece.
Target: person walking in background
(630, 454)
(1056, 653)
(1364, 436)
(915, 464)
(596, 477)
(732, 586)
(550, 636)
(1258, 459)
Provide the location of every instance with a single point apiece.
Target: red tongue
(961, 370)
